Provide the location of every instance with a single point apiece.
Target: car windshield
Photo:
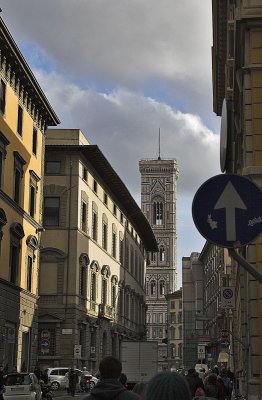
(17, 379)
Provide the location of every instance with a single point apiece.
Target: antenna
(159, 157)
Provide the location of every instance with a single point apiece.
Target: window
(114, 244)
(173, 332)
(32, 201)
(95, 186)
(180, 303)
(153, 288)
(162, 288)
(84, 217)
(158, 213)
(16, 234)
(20, 120)
(51, 211)
(34, 141)
(3, 143)
(93, 287)
(32, 193)
(121, 251)
(85, 173)
(162, 253)
(105, 199)
(29, 273)
(180, 317)
(104, 291)
(2, 96)
(180, 332)
(19, 162)
(173, 318)
(113, 296)
(94, 225)
(121, 218)
(114, 209)
(104, 235)
(52, 167)
(83, 280)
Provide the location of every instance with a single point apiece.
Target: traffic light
(164, 340)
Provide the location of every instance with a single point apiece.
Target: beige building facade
(158, 203)
(93, 250)
(24, 116)
(175, 330)
(237, 77)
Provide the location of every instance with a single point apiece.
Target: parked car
(22, 385)
(93, 381)
(56, 377)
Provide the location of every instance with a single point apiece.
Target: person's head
(212, 379)
(140, 389)
(84, 368)
(169, 386)
(191, 371)
(123, 378)
(110, 368)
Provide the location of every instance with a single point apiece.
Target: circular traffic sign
(227, 293)
(45, 343)
(227, 210)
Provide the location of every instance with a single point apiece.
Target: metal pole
(245, 264)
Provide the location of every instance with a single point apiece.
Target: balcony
(105, 311)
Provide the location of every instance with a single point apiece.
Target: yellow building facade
(93, 251)
(24, 116)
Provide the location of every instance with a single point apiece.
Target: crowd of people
(166, 385)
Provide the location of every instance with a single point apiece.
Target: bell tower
(158, 203)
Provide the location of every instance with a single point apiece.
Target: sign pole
(248, 267)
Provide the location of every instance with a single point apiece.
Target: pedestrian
(168, 386)
(67, 381)
(37, 372)
(73, 380)
(140, 389)
(212, 389)
(109, 386)
(194, 382)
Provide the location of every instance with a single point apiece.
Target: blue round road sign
(227, 210)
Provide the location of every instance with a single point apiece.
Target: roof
(124, 199)
(19, 66)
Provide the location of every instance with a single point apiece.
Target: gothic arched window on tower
(153, 288)
(158, 213)
(162, 288)
(162, 253)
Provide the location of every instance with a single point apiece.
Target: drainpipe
(68, 233)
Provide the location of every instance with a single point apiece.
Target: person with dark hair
(168, 386)
(109, 386)
(194, 381)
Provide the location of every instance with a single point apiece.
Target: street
(62, 395)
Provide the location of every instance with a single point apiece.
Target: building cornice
(19, 75)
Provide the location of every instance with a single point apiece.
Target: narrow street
(62, 395)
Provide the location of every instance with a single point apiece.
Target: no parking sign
(228, 297)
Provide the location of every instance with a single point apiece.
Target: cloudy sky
(121, 69)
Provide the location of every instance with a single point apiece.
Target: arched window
(153, 288)
(162, 288)
(83, 263)
(158, 212)
(162, 253)
(173, 332)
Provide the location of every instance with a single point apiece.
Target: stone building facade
(93, 250)
(237, 77)
(175, 330)
(24, 116)
(158, 203)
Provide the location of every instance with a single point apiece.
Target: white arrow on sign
(230, 200)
